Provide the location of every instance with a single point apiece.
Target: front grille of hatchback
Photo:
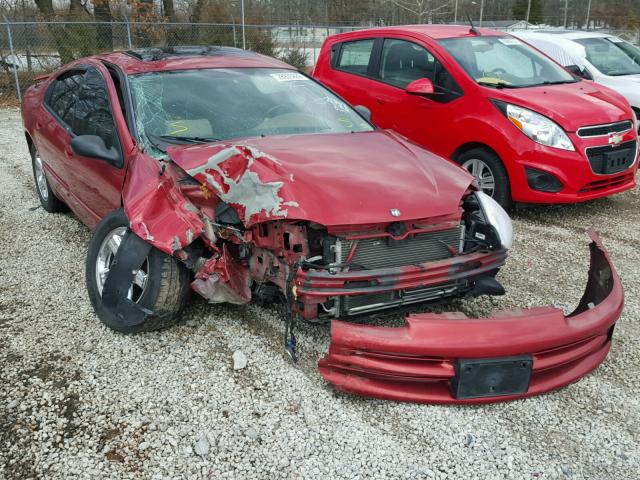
(603, 130)
(608, 159)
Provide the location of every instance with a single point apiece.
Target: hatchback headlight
(497, 217)
(537, 127)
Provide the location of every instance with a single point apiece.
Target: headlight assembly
(496, 216)
(537, 127)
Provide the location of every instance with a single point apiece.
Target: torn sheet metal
(158, 211)
(228, 173)
(222, 279)
(418, 362)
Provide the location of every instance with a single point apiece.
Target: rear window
(354, 56)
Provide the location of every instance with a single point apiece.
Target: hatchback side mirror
(421, 86)
(92, 146)
(578, 72)
(364, 111)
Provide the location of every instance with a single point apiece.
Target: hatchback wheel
(48, 199)
(160, 285)
(489, 173)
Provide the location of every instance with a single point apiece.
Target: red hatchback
(527, 129)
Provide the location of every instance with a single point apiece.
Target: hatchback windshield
(504, 62)
(612, 55)
(193, 106)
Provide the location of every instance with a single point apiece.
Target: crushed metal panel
(230, 175)
(158, 212)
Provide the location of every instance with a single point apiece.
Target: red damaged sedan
(236, 176)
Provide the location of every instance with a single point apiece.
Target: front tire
(161, 285)
(48, 199)
(489, 172)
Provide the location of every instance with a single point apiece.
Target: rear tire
(489, 172)
(163, 291)
(48, 199)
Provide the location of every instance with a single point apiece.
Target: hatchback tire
(48, 199)
(489, 172)
(161, 285)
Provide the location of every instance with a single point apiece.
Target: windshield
(612, 55)
(504, 62)
(193, 106)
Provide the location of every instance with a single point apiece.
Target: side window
(62, 95)
(402, 62)
(92, 111)
(354, 56)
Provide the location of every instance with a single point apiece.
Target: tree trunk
(57, 31)
(104, 31)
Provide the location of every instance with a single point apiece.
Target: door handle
(38, 125)
(68, 153)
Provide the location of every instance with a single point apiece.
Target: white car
(601, 57)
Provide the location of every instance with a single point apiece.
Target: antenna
(472, 29)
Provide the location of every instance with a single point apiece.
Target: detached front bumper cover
(450, 358)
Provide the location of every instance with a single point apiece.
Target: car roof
(188, 57)
(436, 32)
(558, 33)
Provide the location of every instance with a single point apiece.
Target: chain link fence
(32, 49)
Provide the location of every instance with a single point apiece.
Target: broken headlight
(497, 217)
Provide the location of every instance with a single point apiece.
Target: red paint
(472, 120)
(415, 362)
(325, 175)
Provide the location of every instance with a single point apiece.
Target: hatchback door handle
(68, 153)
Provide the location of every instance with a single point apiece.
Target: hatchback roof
(434, 31)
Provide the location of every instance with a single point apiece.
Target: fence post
(126, 22)
(15, 60)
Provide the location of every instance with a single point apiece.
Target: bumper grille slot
(603, 130)
(607, 159)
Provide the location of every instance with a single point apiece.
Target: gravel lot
(78, 400)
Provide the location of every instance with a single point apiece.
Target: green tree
(519, 10)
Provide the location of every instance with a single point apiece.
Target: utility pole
(588, 13)
(455, 12)
(528, 13)
(244, 41)
(566, 9)
(482, 10)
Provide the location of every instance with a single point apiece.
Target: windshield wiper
(558, 82)
(179, 138)
(497, 84)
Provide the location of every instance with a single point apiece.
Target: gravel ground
(78, 400)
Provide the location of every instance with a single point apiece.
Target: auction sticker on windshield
(288, 76)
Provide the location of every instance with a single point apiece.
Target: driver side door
(428, 120)
(95, 184)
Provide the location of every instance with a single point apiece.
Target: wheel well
(470, 146)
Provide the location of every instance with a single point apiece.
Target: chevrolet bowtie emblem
(615, 139)
(395, 212)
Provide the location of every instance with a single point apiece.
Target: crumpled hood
(571, 105)
(331, 179)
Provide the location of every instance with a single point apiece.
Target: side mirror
(92, 146)
(364, 111)
(577, 71)
(422, 86)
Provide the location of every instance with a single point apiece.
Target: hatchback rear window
(354, 56)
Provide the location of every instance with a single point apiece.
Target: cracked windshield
(504, 62)
(198, 106)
